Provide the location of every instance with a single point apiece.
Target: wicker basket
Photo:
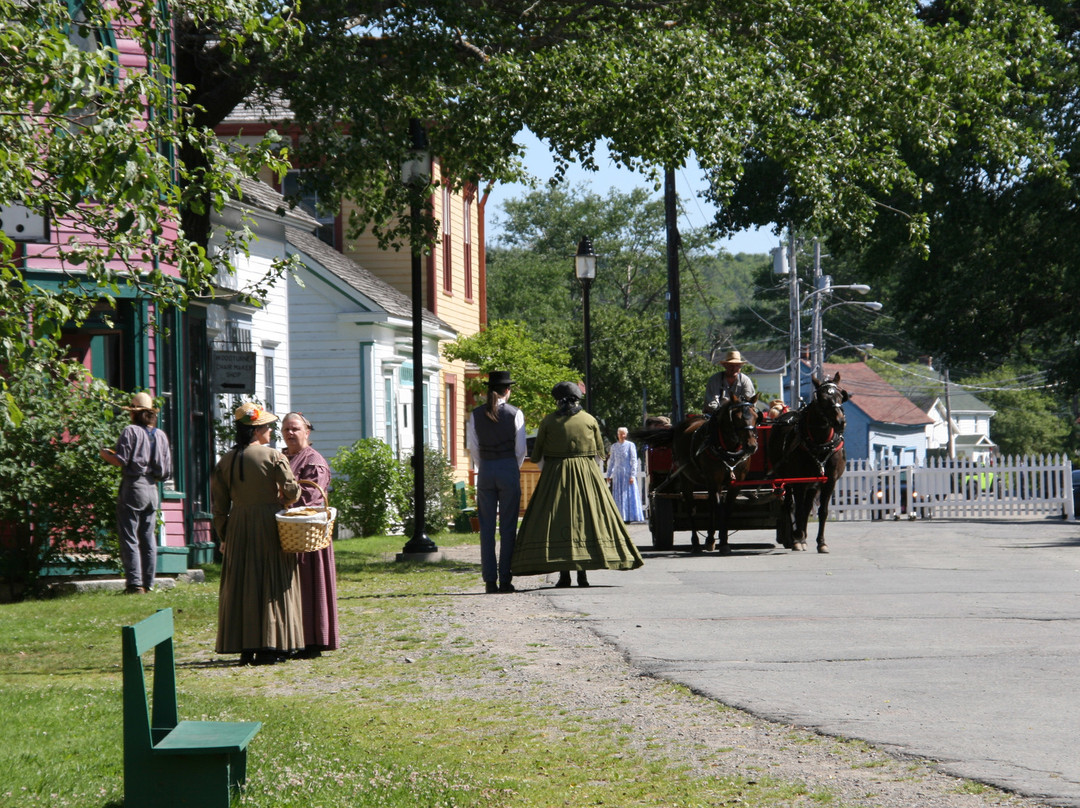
(306, 533)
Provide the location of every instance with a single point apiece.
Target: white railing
(958, 489)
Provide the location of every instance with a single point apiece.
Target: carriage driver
(731, 381)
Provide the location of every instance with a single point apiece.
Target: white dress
(622, 470)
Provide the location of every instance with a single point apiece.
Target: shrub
(371, 487)
(441, 504)
(57, 496)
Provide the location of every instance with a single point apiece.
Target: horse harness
(718, 448)
(819, 451)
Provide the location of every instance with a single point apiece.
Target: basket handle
(313, 484)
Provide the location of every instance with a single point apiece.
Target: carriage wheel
(662, 523)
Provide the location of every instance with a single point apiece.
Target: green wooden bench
(168, 762)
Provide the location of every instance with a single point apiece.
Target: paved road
(955, 641)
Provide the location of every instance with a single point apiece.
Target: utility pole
(795, 319)
(817, 339)
(674, 318)
(948, 417)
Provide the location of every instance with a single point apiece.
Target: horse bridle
(828, 395)
(732, 456)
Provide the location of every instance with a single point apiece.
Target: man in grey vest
(495, 437)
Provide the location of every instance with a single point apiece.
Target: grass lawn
(354, 728)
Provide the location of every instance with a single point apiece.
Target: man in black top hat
(495, 437)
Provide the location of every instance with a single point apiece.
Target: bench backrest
(155, 632)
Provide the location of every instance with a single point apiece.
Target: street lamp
(825, 288)
(415, 175)
(585, 269)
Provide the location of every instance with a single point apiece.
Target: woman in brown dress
(259, 613)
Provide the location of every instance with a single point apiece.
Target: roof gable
(361, 280)
(765, 361)
(876, 397)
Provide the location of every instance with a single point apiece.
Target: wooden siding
(325, 362)
(464, 315)
(270, 324)
(326, 349)
(392, 266)
(458, 371)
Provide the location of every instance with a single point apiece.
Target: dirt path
(548, 657)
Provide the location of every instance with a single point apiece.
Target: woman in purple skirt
(318, 576)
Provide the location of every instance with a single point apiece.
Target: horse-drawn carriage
(734, 471)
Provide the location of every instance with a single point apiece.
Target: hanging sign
(233, 371)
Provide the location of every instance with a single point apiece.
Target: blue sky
(688, 182)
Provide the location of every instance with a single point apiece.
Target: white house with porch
(970, 424)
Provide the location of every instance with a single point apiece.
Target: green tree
(1029, 419)
(1030, 415)
(440, 499)
(534, 365)
(371, 487)
(94, 150)
(826, 89)
(995, 277)
(533, 275)
(57, 497)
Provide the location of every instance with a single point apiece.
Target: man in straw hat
(731, 381)
(495, 437)
(142, 451)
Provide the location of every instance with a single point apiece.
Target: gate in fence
(956, 489)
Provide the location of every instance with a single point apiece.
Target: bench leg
(237, 769)
(185, 781)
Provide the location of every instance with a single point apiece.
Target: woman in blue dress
(622, 471)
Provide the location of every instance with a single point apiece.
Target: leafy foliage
(996, 284)
(1029, 419)
(440, 500)
(371, 487)
(97, 152)
(828, 91)
(532, 278)
(534, 364)
(57, 497)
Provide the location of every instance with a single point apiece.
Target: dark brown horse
(809, 444)
(708, 453)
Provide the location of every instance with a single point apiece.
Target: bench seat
(208, 737)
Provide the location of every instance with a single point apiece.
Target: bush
(57, 496)
(371, 487)
(441, 504)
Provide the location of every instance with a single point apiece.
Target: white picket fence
(957, 489)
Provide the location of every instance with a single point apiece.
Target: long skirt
(572, 523)
(259, 602)
(318, 597)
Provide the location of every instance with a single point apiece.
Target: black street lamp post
(415, 175)
(585, 269)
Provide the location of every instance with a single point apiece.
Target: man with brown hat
(731, 381)
(142, 451)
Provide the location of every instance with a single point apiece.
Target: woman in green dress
(572, 522)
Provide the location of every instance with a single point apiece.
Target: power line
(979, 387)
